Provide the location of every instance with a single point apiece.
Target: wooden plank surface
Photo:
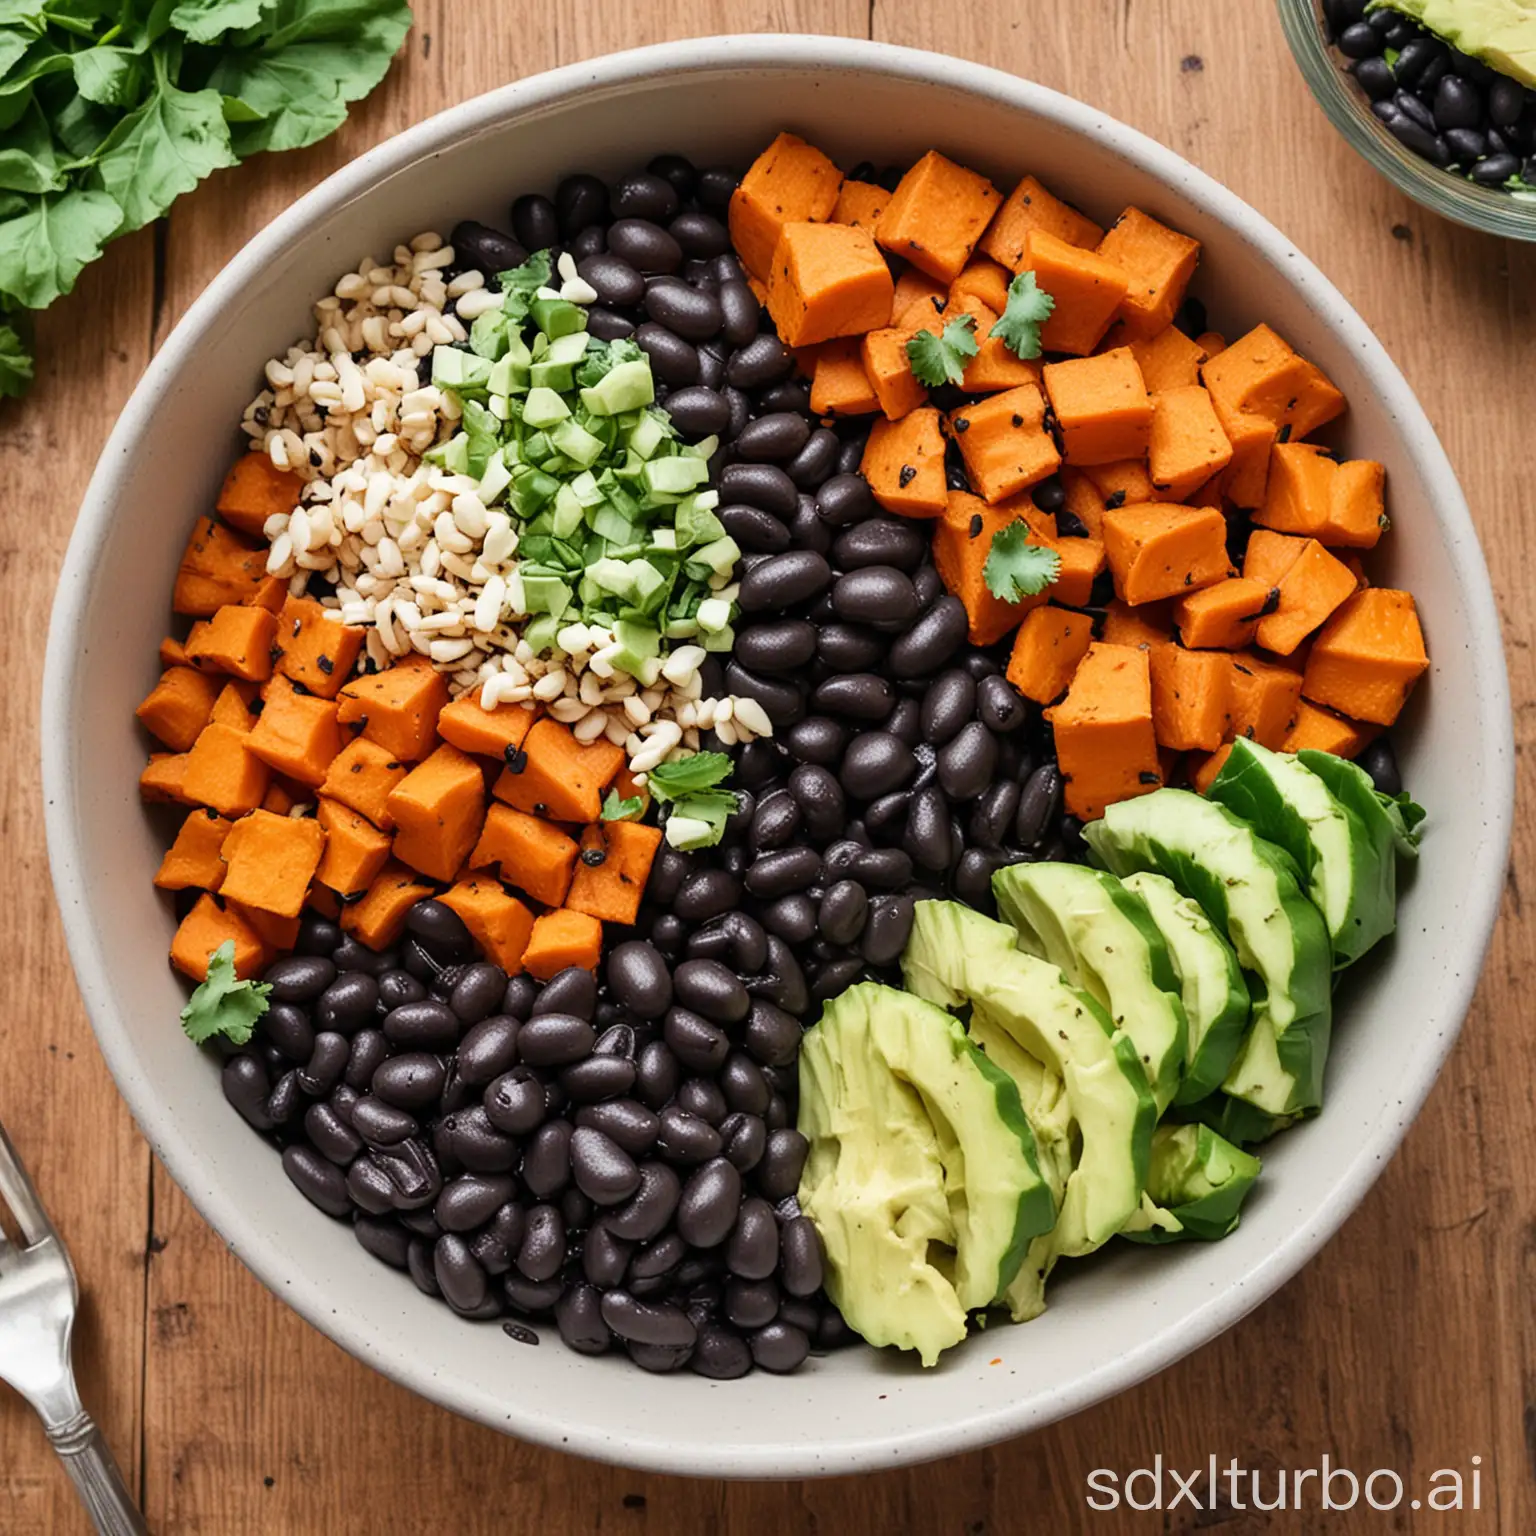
(1410, 1343)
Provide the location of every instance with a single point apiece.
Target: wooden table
(1410, 1343)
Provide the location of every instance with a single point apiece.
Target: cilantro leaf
(528, 278)
(15, 362)
(221, 1005)
(704, 770)
(936, 360)
(205, 21)
(631, 808)
(107, 76)
(698, 820)
(1029, 307)
(44, 246)
(1017, 569)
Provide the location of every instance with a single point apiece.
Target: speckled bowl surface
(1119, 1318)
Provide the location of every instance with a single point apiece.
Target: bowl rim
(1453, 197)
(651, 1450)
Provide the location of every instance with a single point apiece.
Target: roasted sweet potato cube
(904, 464)
(1046, 651)
(218, 566)
(860, 203)
(616, 859)
(237, 640)
(1101, 407)
(1312, 587)
(362, 776)
(1158, 550)
(559, 777)
(355, 849)
(1188, 445)
(791, 181)
(531, 853)
(1031, 207)
(164, 779)
(919, 299)
(205, 929)
(192, 862)
(1320, 730)
(1087, 290)
(173, 652)
(1159, 262)
(314, 647)
(254, 490)
(271, 860)
(223, 772)
(1004, 442)
(1269, 556)
(1309, 493)
(398, 707)
(178, 707)
(936, 215)
(1368, 657)
(485, 732)
(233, 706)
(438, 809)
(1105, 743)
(1203, 770)
(499, 922)
(1225, 616)
(1085, 502)
(983, 281)
(839, 385)
(1262, 699)
(1168, 359)
(962, 540)
(379, 918)
(1190, 690)
(827, 280)
(883, 356)
(1149, 625)
(278, 934)
(297, 733)
(561, 939)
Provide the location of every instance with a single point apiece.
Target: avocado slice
(1350, 875)
(957, 956)
(1394, 822)
(1250, 890)
(1043, 1095)
(1502, 33)
(1214, 994)
(1201, 1180)
(1105, 941)
(870, 1044)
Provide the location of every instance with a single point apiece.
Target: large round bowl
(1122, 1317)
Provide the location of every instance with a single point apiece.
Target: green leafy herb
(704, 770)
(111, 109)
(936, 360)
(1029, 307)
(710, 809)
(1017, 569)
(15, 362)
(221, 1005)
(631, 808)
(528, 278)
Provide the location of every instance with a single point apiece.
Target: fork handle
(96, 1477)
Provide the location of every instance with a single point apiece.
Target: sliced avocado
(1105, 941)
(1238, 1122)
(878, 1053)
(1394, 822)
(1350, 876)
(1502, 33)
(1211, 983)
(1201, 1179)
(1250, 890)
(1041, 1092)
(957, 956)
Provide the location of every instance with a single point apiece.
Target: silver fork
(38, 1298)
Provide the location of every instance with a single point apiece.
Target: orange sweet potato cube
(1105, 743)
(223, 772)
(1190, 690)
(789, 182)
(178, 707)
(1031, 207)
(362, 776)
(559, 778)
(1159, 262)
(164, 779)
(1147, 626)
(839, 385)
(962, 540)
(1122, 482)
(314, 647)
(827, 280)
(904, 464)
(379, 918)
(531, 853)
(1157, 550)
(233, 706)
(1046, 651)
(1168, 359)
(218, 566)
(1269, 556)
(438, 809)
(1310, 494)
(192, 862)
(616, 859)
(1188, 445)
(561, 939)
(1262, 699)
(355, 849)
(271, 860)
(237, 640)
(277, 934)
(1101, 407)
(1312, 587)
(172, 653)
(937, 214)
(1368, 657)
(1224, 616)
(1087, 290)
(398, 707)
(860, 203)
(983, 281)
(206, 928)
(296, 733)
(1320, 730)
(918, 298)
(1004, 442)
(254, 490)
(484, 732)
(499, 922)
(883, 356)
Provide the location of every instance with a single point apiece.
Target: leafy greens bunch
(111, 109)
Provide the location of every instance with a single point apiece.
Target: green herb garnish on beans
(221, 1005)
(110, 111)
(1029, 307)
(1017, 569)
(937, 360)
(704, 770)
(631, 808)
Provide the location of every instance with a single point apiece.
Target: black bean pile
(617, 1155)
(1451, 110)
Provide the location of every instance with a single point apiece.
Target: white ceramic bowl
(1122, 1317)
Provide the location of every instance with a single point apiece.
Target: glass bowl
(1485, 208)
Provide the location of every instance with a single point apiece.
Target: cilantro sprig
(941, 359)
(630, 808)
(1017, 569)
(1029, 307)
(222, 1005)
(698, 806)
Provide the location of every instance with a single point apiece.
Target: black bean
(756, 531)
(792, 396)
(488, 1049)
(1467, 144)
(1412, 60)
(783, 982)
(626, 1121)
(533, 1298)
(840, 918)
(333, 1138)
(1380, 762)
(674, 361)
(639, 979)
(773, 438)
(782, 581)
(321, 1182)
(815, 461)
(1495, 170)
(764, 359)
(579, 1317)
(738, 314)
(542, 1251)
(590, 241)
(772, 1036)
(711, 989)
(606, 325)
(782, 701)
(381, 1124)
(604, 1257)
(720, 1354)
(745, 1137)
(823, 810)
(702, 1097)
(604, 1172)
(775, 821)
(706, 1213)
(1360, 41)
(286, 1097)
(369, 1187)
(701, 235)
(477, 1142)
(800, 1244)
(687, 312)
(419, 1263)
(993, 816)
(555, 1040)
(862, 696)
(656, 1075)
(580, 201)
(948, 702)
(326, 1064)
(761, 485)
(246, 1086)
(817, 740)
(440, 928)
(643, 195)
(875, 594)
(1410, 106)
(715, 185)
(534, 222)
(660, 1325)
(1039, 805)
(849, 648)
(781, 871)
(778, 645)
(287, 1026)
(350, 955)
(650, 1208)
(615, 281)
(751, 1303)
(348, 1003)
(428, 1025)
(927, 835)
(1506, 101)
(546, 1168)
(745, 1089)
(1458, 103)
(792, 918)
(905, 723)
(383, 1239)
(779, 1347)
(874, 764)
(645, 245)
(999, 705)
(880, 541)
(484, 249)
(967, 764)
(752, 1252)
(299, 978)
(495, 1247)
(597, 1078)
(471, 1199)
(478, 992)
(515, 1102)
(886, 816)
(685, 1138)
(397, 987)
(700, 412)
(696, 1043)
